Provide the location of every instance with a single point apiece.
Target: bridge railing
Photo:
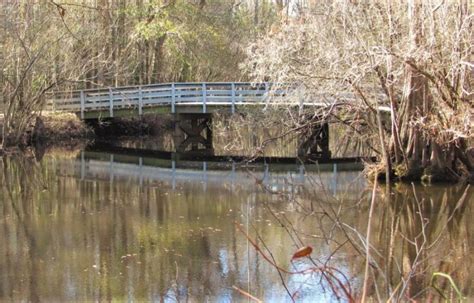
(167, 94)
(230, 94)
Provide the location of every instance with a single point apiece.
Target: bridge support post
(173, 98)
(111, 103)
(193, 133)
(83, 102)
(314, 142)
(140, 101)
(232, 87)
(204, 96)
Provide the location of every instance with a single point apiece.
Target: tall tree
(415, 57)
(52, 45)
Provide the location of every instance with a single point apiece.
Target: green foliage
(200, 41)
(154, 30)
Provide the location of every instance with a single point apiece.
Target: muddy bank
(52, 128)
(68, 130)
(60, 128)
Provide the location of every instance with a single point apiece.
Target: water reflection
(425, 230)
(276, 177)
(87, 228)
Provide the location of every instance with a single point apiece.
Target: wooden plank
(97, 98)
(65, 100)
(148, 94)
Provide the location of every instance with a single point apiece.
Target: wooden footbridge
(187, 98)
(193, 105)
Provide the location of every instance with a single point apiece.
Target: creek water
(92, 226)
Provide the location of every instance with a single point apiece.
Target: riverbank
(60, 128)
(66, 129)
(52, 129)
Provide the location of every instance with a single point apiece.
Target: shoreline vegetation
(67, 130)
(414, 57)
(52, 129)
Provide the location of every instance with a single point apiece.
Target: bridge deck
(178, 97)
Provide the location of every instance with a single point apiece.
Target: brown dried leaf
(302, 252)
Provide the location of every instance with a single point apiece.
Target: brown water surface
(98, 227)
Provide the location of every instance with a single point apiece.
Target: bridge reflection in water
(92, 165)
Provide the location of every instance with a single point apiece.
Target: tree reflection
(423, 230)
(64, 238)
(111, 240)
(416, 232)
(17, 180)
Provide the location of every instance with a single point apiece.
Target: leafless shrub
(414, 58)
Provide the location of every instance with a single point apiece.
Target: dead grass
(56, 127)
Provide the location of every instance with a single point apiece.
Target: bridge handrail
(159, 94)
(178, 94)
(164, 84)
